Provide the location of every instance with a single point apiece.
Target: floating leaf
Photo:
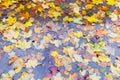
(78, 20)
(111, 2)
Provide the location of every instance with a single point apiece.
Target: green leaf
(78, 20)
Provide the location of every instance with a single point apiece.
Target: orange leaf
(26, 29)
(12, 60)
(103, 8)
(24, 15)
(101, 32)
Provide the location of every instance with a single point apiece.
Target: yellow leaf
(47, 39)
(53, 13)
(11, 20)
(23, 75)
(7, 3)
(40, 9)
(18, 69)
(97, 2)
(23, 44)
(110, 2)
(29, 22)
(8, 48)
(37, 30)
(92, 19)
(104, 58)
(2, 27)
(89, 6)
(54, 54)
(21, 7)
(65, 50)
(45, 78)
(17, 34)
(57, 8)
(78, 2)
(66, 18)
(52, 4)
(56, 14)
(5, 76)
(78, 34)
(29, 6)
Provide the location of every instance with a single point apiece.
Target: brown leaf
(59, 2)
(12, 60)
